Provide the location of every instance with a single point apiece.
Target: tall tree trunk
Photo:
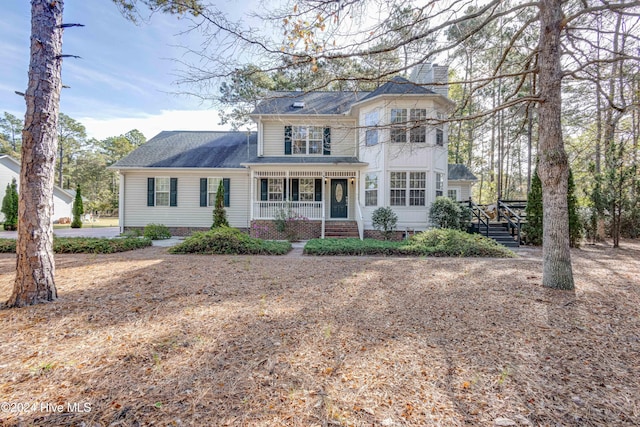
(35, 266)
(554, 167)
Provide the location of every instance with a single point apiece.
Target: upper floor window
(418, 130)
(307, 139)
(398, 125)
(408, 124)
(371, 119)
(440, 130)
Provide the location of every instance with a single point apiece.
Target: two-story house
(329, 157)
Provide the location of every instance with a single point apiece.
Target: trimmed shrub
(85, 245)
(156, 232)
(437, 242)
(219, 214)
(384, 219)
(10, 206)
(445, 213)
(229, 241)
(77, 209)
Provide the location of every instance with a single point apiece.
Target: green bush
(219, 214)
(384, 219)
(445, 213)
(77, 209)
(10, 206)
(85, 245)
(156, 232)
(229, 241)
(437, 242)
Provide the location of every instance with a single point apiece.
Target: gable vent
(298, 104)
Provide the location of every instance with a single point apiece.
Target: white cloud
(151, 125)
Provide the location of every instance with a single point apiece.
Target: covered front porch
(310, 195)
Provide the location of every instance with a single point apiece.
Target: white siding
(9, 169)
(401, 157)
(188, 213)
(343, 134)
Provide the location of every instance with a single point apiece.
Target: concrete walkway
(73, 232)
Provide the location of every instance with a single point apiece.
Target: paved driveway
(74, 232)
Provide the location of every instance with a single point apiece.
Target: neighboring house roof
(304, 103)
(15, 165)
(459, 172)
(193, 149)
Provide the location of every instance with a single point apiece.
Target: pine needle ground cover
(146, 337)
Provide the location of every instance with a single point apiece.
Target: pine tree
(10, 206)
(78, 210)
(219, 214)
(533, 227)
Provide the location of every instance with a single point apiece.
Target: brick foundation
(375, 234)
(177, 231)
(297, 230)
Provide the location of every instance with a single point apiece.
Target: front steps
(500, 233)
(341, 229)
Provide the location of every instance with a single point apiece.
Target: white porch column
(252, 190)
(323, 204)
(287, 186)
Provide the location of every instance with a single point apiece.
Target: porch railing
(269, 210)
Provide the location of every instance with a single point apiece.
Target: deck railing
(269, 210)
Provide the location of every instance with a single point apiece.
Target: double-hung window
(209, 190)
(162, 191)
(398, 189)
(306, 190)
(417, 188)
(418, 130)
(413, 184)
(371, 120)
(398, 125)
(371, 189)
(452, 193)
(439, 185)
(275, 189)
(307, 139)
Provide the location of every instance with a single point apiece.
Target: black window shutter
(287, 140)
(318, 190)
(151, 191)
(226, 183)
(295, 189)
(284, 189)
(173, 194)
(264, 189)
(326, 142)
(203, 191)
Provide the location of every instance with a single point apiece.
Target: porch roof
(303, 160)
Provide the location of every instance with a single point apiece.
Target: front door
(338, 198)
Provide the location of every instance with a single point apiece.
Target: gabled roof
(314, 103)
(399, 86)
(192, 149)
(15, 165)
(459, 172)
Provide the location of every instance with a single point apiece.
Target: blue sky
(125, 78)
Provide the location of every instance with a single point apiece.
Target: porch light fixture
(353, 180)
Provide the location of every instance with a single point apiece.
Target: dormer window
(298, 104)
